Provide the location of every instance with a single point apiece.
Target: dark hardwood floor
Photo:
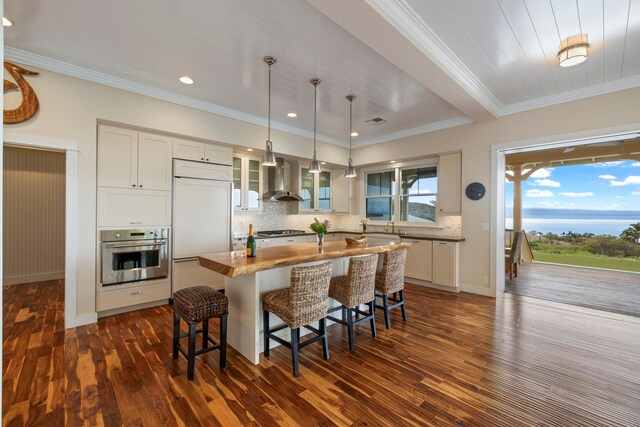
(608, 290)
(459, 360)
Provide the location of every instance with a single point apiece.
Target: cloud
(573, 194)
(538, 193)
(607, 164)
(620, 197)
(635, 165)
(635, 180)
(546, 183)
(556, 205)
(541, 173)
(635, 193)
(609, 177)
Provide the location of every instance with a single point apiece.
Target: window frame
(397, 193)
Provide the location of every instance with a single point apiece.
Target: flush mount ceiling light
(186, 80)
(269, 158)
(6, 22)
(573, 51)
(292, 115)
(351, 171)
(314, 166)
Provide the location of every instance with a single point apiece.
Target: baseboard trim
(32, 278)
(86, 319)
(478, 290)
(431, 285)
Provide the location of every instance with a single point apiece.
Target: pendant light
(314, 166)
(351, 171)
(269, 158)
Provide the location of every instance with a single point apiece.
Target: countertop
(402, 236)
(282, 256)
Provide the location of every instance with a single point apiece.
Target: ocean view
(560, 221)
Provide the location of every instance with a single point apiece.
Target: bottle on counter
(251, 243)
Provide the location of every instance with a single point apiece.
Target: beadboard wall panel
(34, 215)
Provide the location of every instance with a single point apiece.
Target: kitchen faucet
(392, 226)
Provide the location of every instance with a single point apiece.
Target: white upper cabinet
(131, 159)
(202, 152)
(449, 183)
(247, 184)
(154, 161)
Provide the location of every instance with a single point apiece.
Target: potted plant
(320, 228)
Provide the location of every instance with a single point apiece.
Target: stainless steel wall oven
(134, 255)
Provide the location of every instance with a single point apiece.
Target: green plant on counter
(320, 227)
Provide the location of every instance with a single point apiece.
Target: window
(402, 194)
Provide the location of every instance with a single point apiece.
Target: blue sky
(602, 186)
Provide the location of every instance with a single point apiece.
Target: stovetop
(280, 232)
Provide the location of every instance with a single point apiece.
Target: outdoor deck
(608, 290)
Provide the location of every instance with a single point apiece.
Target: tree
(632, 234)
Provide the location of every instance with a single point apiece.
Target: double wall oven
(134, 255)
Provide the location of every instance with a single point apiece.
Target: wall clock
(475, 191)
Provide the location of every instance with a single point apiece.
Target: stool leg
(205, 333)
(176, 334)
(191, 359)
(223, 341)
(325, 340)
(352, 344)
(265, 332)
(402, 307)
(385, 304)
(294, 351)
(374, 333)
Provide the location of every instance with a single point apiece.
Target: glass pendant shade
(269, 158)
(351, 171)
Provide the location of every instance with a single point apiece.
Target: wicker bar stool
(391, 280)
(354, 289)
(304, 302)
(195, 305)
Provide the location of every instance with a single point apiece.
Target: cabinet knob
(207, 160)
(140, 186)
(201, 158)
(133, 185)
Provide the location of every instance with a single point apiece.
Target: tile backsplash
(274, 216)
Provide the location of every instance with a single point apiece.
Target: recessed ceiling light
(6, 22)
(392, 161)
(186, 80)
(292, 115)
(354, 133)
(323, 163)
(249, 149)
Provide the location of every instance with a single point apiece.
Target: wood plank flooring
(608, 290)
(459, 360)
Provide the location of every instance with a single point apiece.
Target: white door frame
(498, 152)
(71, 212)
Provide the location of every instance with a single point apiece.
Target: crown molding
(82, 73)
(572, 95)
(432, 127)
(415, 29)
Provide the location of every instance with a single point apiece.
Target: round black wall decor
(475, 191)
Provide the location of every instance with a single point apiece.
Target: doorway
(34, 201)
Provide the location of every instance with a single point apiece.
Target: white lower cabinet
(433, 261)
(132, 207)
(189, 273)
(419, 260)
(125, 296)
(445, 264)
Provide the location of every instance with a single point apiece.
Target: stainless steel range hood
(275, 185)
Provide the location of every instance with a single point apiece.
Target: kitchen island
(247, 279)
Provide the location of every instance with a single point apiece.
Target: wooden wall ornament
(29, 106)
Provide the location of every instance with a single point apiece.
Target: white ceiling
(420, 65)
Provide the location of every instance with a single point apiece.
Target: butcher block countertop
(283, 256)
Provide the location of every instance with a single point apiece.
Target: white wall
(583, 118)
(70, 109)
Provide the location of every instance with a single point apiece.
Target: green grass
(624, 264)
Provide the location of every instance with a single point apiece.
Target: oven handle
(140, 245)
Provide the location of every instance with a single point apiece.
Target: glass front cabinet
(315, 189)
(247, 184)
